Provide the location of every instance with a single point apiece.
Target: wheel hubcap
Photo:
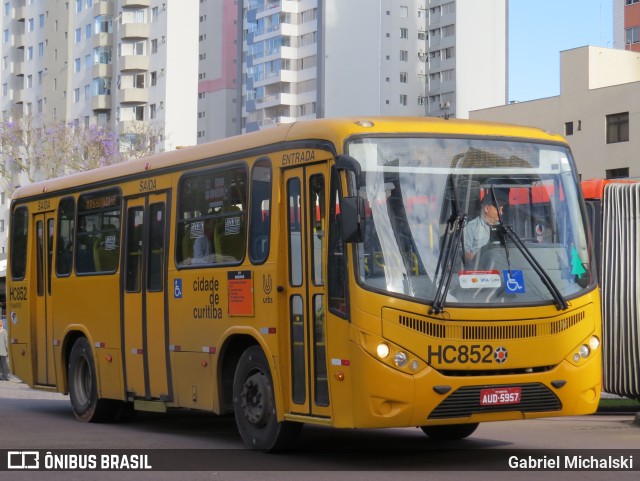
(255, 395)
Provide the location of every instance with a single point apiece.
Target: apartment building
(324, 58)
(597, 111)
(626, 24)
(105, 62)
(218, 116)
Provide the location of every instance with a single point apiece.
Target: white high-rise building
(103, 62)
(324, 58)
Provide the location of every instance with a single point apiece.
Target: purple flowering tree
(36, 148)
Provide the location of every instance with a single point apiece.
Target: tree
(140, 139)
(36, 148)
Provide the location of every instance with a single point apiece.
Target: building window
(630, 2)
(618, 128)
(568, 128)
(619, 173)
(78, 35)
(404, 11)
(154, 78)
(632, 35)
(404, 55)
(404, 33)
(76, 95)
(152, 111)
(404, 77)
(403, 99)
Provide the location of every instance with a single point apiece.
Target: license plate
(500, 395)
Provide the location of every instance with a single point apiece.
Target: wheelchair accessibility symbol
(177, 288)
(513, 282)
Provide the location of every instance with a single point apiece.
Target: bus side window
(19, 231)
(259, 221)
(212, 217)
(337, 268)
(98, 236)
(66, 223)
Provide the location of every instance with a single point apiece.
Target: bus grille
(466, 401)
(485, 331)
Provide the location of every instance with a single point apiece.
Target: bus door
(144, 322)
(305, 221)
(44, 228)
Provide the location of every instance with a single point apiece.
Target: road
(185, 440)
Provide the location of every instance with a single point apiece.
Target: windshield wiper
(452, 243)
(559, 300)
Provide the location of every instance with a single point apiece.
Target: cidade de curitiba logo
(500, 354)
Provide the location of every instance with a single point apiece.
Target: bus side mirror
(352, 216)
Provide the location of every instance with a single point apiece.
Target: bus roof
(333, 130)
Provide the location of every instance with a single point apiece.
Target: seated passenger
(202, 247)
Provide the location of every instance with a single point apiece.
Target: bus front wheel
(449, 432)
(254, 405)
(83, 385)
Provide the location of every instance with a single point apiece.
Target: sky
(540, 29)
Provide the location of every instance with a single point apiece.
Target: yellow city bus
(314, 273)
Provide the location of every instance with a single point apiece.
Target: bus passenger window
(19, 230)
(215, 199)
(98, 237)
(64, 246)
(259, 221)
(337, 267)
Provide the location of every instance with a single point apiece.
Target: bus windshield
(457, 221)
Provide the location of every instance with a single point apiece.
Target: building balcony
(133, 96)
(18, 40)
(102, 40)
(102, 70)
(134, 3)
(103, 7)
(134, 62)
(101, 102)
(18, 96)
(17, 68)
(21, 12)
(134, 30)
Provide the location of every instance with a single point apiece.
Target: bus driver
(478, 231)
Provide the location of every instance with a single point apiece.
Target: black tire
(255, 408)
(449, 432)
(83, 386)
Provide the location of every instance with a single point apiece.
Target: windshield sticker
(479, 279)
(513, 282)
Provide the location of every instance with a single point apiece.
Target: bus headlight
(594, 343)
(400, 359)
(382, 350)
(584, 351)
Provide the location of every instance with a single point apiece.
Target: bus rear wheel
(254, 405)
(449, 432)
(83, 386)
